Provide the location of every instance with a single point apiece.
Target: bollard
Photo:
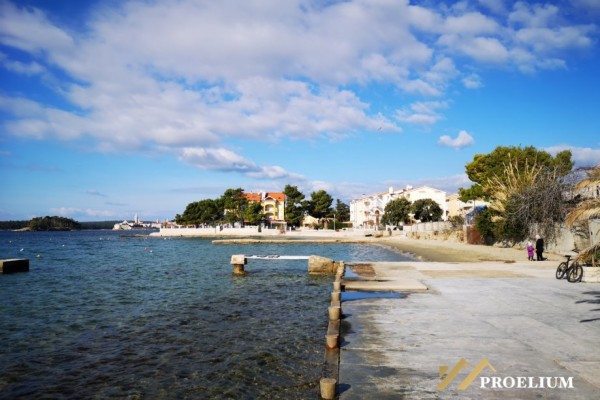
(335, 295)
(238, 261)
(337, 286)
(331, 341)
(334, 313)
(328, 388)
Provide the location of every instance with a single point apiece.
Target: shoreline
(422, 249)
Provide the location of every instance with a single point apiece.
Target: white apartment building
(367, 210)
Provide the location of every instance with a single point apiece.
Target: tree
(234, 203)
(294, 209)
(206, 211)
(427, 210)
(485, 167)
(397, 212)
(253, 213)
(319, 205)
(53, 224)
(528, 199)
(587, 209)
(342, 211)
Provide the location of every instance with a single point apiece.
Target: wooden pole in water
(335, 295)
(238, 261)
(328, 388)
(334, 313)
(331, 341)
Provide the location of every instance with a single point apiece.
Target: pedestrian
(539, 248)
(529, 250)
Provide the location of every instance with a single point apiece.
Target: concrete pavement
(515, 315)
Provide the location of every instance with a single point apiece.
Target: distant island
(54, 223)
(46, 223)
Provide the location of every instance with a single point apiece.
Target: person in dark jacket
(539, 248)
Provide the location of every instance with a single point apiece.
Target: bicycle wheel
(560, 271)
(575, 273)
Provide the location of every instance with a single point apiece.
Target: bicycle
(573, 272)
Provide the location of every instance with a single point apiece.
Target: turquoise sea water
(101, 316)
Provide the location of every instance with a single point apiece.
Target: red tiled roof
(257, 196)
(252, 196)
(276, 196)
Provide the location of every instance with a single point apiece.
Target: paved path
(517, 316)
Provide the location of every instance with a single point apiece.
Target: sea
(102, 316)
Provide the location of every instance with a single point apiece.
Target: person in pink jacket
(530, 251)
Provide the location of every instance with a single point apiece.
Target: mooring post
(327, 386)
(238, 261)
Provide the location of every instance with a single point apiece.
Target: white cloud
(274, 172)
(449, 184)
(462, 140)
(422, 113)
(167, 76)
(472, 81)
(582, 156)
(75, 212)
(218, 159)
(221, 159)
(470, 23)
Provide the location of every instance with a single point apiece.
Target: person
(539, 248)
(529, 250)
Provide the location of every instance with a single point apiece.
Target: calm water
(100, 316)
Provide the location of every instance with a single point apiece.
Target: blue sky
(110, 108)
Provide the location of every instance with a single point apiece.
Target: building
(456, 207)
(273, 204)
(366, 211)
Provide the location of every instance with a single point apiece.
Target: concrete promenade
(518, 316)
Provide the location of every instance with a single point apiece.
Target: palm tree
(587, 209)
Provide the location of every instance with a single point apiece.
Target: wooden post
(238, 261)
(327, 386)
(335, 295)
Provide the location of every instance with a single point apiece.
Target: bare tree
(527, 200)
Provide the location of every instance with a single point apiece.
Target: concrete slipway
(518, 316)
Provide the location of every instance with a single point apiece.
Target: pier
(11, 265)
(316, 264)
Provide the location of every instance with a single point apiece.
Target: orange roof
(252, 196)
(276, 196)
(257, 196)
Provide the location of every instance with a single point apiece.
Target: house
(456, 207)
(310, 222)
(273, 204)
(367, 210)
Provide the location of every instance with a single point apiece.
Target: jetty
(316, 264)
(429, 342)
(11, 265)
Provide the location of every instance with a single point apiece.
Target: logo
(483, 364)
(498, 382)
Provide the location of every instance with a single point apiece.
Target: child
(530, 251)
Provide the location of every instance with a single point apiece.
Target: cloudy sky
(108, 108)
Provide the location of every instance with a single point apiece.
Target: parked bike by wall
(571, 270)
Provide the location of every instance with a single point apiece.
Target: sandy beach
(448, 251)
(425, 249)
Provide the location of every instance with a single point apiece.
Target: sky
(110, 108)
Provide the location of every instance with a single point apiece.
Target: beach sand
(425, 249)
(448, 251)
